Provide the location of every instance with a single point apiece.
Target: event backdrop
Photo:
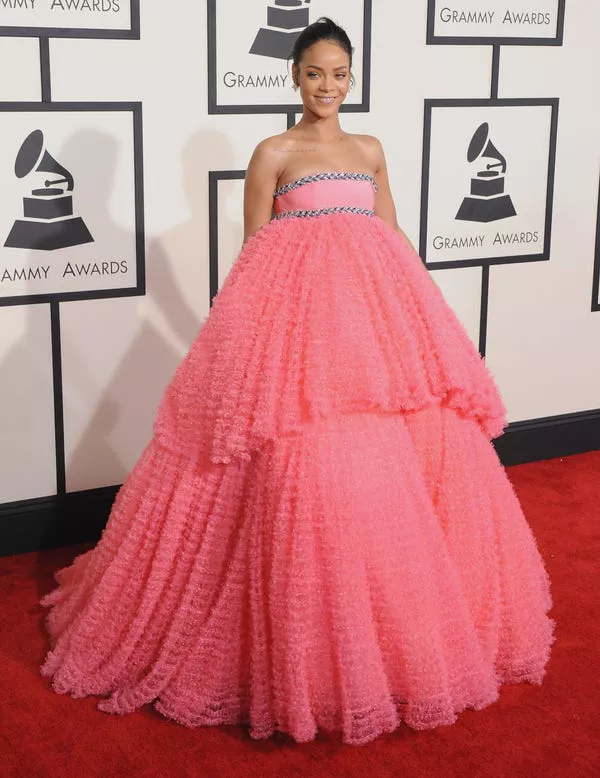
(125, 133)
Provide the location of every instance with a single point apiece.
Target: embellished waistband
(323, 211)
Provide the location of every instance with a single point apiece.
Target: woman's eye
(342, 75)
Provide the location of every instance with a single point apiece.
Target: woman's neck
(324, 130)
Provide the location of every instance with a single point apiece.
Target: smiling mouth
(326, 99)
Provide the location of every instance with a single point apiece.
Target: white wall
(118, 354)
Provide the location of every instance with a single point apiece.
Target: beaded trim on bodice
(323, 211)
(332, 176)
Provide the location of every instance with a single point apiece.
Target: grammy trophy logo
(285, 21)
(487, 201)
(48, 222)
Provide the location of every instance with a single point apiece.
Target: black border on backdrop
(596, 278)
(552, 103)
(474, 40)
(133, 33)
(215, 108)
(140, 288)
(214, 176)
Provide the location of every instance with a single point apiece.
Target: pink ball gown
(319, 534)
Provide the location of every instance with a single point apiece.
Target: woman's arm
(261, 181)
(384, 202)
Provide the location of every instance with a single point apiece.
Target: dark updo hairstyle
(324, 29)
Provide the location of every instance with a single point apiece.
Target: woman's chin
(324, 109)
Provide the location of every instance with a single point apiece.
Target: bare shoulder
(264, 151)
(264, 167)
(369, 141)
(275, 143)
(371, 147)
(267, 157)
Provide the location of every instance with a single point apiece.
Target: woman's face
(323, 76)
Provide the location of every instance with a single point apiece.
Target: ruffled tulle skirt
(320, 534)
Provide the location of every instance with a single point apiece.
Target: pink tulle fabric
(320, 534)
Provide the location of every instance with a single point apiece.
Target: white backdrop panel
(461, 288)
(231, 224)
(542, 337)
(20, 69)
(27, 468)
(109, 394)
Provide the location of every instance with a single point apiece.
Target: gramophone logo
(487, 201)
(285, 21)
(250, 43)
(49, 222)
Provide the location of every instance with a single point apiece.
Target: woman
(320, 534)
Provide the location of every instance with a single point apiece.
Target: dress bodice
(323, 193)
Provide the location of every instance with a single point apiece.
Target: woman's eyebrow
(339, 67)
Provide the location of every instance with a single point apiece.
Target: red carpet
(552, 730)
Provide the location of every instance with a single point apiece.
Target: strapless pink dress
(319, 534)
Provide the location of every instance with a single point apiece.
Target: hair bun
(323, 29)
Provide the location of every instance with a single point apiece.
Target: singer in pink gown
(319, 534)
